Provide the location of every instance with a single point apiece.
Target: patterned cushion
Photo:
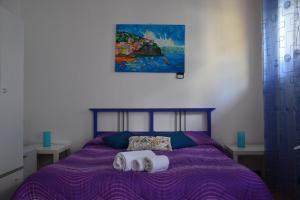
(149, 143)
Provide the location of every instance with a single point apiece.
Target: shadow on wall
(244, 104)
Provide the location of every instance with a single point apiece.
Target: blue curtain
(281, 48)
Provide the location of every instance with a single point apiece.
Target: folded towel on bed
(123, 160)
(138, 164)
(156, 163)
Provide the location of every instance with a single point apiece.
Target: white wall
(69, 64)
(14, 6)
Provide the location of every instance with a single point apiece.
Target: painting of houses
(149, 48)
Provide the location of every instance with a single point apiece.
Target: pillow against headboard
(118, 140)
(199, 137)
(178, 139)
(196, 136)
(202, 138)
(100, 138)
(149, 143)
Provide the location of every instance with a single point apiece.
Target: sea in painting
(149, 48)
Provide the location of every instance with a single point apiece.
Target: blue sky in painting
(174, 32)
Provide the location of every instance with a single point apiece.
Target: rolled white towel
(123, 160)
(138, 164)
(156, 163)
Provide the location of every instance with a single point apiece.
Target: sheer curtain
(281, 43)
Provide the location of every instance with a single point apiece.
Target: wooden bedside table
(249, 150)
(54, 150)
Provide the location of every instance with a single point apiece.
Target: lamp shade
(241, 139)
(46, 138)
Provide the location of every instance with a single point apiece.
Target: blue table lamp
(46, 138)
(241, 139)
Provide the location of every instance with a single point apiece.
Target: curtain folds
(281, 48)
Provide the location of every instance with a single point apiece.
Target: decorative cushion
(149, 143)
(178, 139)
(162, 143)
(118, 140)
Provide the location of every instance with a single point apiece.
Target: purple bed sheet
(196, 173)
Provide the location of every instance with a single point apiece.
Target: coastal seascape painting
(149, 48)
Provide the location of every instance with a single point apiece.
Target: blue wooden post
(209, 123)
(151, 121)
(95, 123)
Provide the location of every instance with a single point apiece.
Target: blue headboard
(179, 113)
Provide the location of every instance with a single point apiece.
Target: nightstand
(55, 150)
(249, 150)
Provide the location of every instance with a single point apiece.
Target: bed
(201, 172)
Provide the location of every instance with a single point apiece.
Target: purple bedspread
(202, 172)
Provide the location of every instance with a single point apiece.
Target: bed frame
(180, 114)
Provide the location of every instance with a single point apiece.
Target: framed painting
(149, 48)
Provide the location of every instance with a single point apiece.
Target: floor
(277, 196)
